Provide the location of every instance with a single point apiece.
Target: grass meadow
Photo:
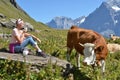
(54, 42)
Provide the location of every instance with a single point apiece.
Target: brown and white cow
(77, 36)
(113, 37)
(113, 47)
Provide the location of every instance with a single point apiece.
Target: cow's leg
(78, 59)
(68, 53)
(103, 66)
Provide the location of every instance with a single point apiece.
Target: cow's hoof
(79, 68)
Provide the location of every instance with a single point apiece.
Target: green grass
(52, 42)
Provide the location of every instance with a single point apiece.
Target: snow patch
(82, 20)
(116, 8)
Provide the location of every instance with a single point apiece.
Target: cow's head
(89, 53)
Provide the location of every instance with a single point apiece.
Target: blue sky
(45, 10)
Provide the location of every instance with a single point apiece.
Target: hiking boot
(41, 54)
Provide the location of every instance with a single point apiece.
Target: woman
(20, 39)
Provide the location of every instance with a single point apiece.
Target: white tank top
(15, 32)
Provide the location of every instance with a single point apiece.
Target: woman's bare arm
(28, 34)
(20, 39)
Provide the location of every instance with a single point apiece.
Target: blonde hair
(19, 21)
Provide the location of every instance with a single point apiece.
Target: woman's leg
(28, 40)
(31, 41)
(17, 48)
(39, 52)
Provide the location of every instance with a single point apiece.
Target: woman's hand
(38, 40)
(27, 34)
(22, 37)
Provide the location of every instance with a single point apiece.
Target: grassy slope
(46, 34)
(11, 12)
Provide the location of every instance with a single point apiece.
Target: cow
(113, 37)
(113, 47)
(77, 36)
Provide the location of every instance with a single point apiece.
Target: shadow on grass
(3, 50)
(56, 53)
(77, 74)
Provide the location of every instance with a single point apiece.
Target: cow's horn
(81, 44)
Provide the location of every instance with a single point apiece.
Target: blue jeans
(27, 41)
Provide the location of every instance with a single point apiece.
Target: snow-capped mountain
(105, 19)
(64, 22)
(113, 2)
(60, 22)
(79, 20)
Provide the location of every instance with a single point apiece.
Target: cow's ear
(99, 49)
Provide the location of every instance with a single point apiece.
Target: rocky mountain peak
(14, 3)
(113, 2)
(105, 19)
(62, 22)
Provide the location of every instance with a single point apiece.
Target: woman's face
(20, 24)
